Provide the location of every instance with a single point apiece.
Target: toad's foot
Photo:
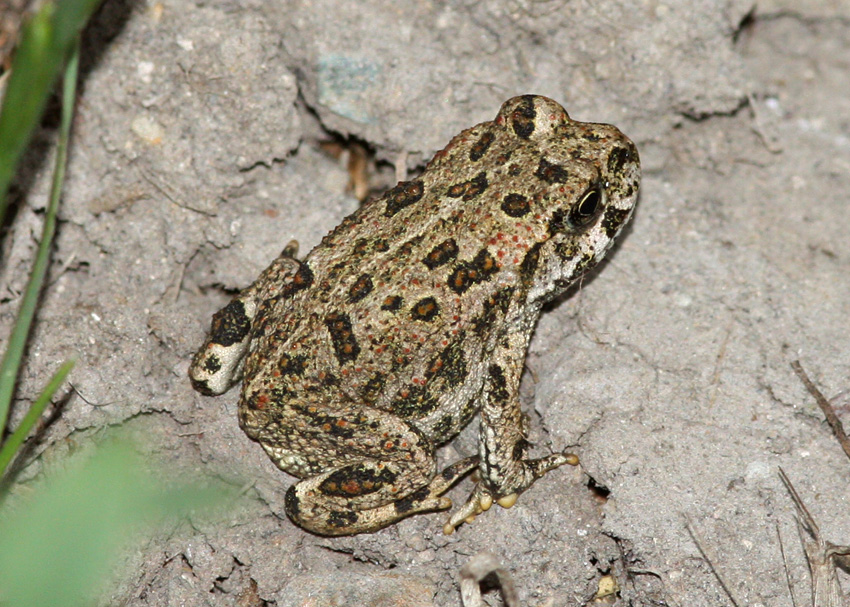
(482, 498)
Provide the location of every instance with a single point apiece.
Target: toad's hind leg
(313, 503)
(218, 363)
(361, 468)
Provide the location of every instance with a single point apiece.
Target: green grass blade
(46, 41)
(61, 545)
(17, 341)
(16, 439)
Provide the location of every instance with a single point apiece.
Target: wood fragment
(823, 556)
(787, 569)
(826, 407)
(702, 547)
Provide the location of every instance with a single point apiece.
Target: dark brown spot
(469, 189)
(441, 254)
(302, 279)
(212, 364)
(292, 365)
(457, 190)
(230, 325)
(587, 261)
(361, 247)
(529, 266)
(498, 390)
(328, 380)
(341, 519)
(502, 158)
(373, 387)
(202, 386)
(413, 402)
(392, 303)
(515, 205)
(291, 503)
(360, 289)
(425, 309)
(403, 195)
(467, 412)
(444, 428)
(558, 222)
(551, 173)
(522, 118)
(364, 246)
(407, 248)
(342, 337)
(479, 148)
(495, 306)
(450, 365)
(356, 479)
(258, 401)
(566, 250)
(327, 423)
(519, 450)
(468, 273)
(618, 157)
(405, 505)
(613, 220)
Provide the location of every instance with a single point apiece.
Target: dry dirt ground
(209, 134)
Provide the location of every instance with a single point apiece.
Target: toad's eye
(588, 207)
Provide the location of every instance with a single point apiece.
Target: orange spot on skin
(351, 487)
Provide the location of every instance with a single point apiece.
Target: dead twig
(823, 556)
(702, 547)
(787, 569)
(826, 407)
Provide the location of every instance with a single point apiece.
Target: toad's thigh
(307, 438)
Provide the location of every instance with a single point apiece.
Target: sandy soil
(199, 153)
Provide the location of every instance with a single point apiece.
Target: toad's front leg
(504, 470)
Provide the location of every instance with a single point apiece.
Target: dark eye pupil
(587, 207)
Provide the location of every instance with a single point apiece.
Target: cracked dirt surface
(197, 157)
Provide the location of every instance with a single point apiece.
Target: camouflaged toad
(414, 316)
